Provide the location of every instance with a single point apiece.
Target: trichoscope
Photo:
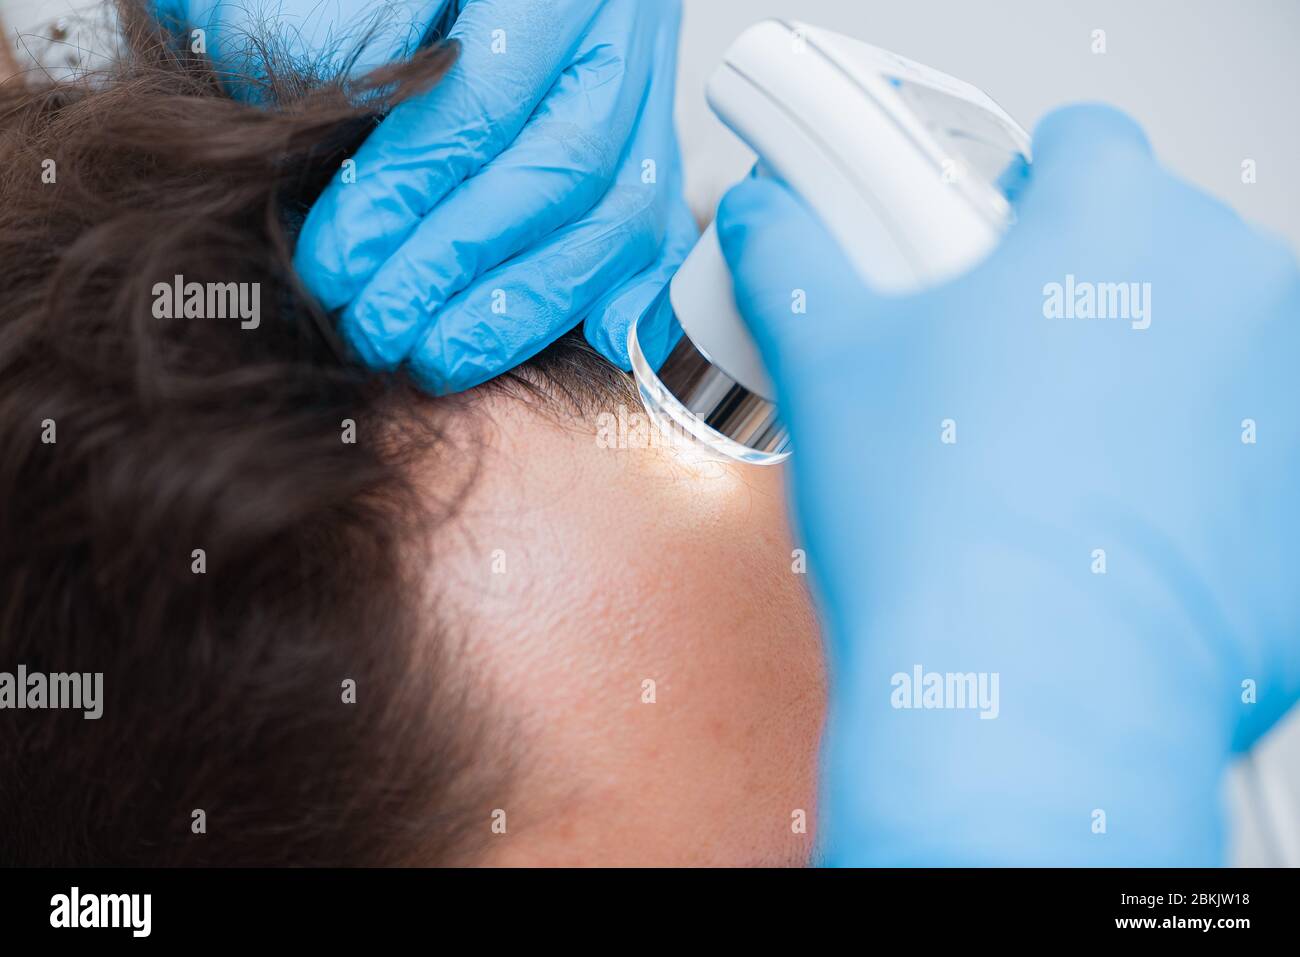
(902, 164)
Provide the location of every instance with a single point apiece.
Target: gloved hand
(536, 187)
(1113, 533)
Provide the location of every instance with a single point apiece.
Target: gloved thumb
(794, 287)
(1087, 142)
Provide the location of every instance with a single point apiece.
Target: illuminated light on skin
(702, 462)
(679, 423)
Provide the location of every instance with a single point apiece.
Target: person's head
(340, 622)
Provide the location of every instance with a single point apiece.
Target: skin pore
(580, 572)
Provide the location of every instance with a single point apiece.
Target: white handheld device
(899, 161)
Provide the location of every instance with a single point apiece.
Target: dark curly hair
(222, 690)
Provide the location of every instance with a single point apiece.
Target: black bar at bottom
(224, 907)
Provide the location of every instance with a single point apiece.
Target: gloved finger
(643, 300)
(511, 54)
(1080, 137)
(553, 173)
(512, 313)
(1090, 162)
(652, 159)
(794, 287)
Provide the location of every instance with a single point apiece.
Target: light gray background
(1212, 81)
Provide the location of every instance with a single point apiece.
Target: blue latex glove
(536, 187)
(511, 202)
(1118, 693)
